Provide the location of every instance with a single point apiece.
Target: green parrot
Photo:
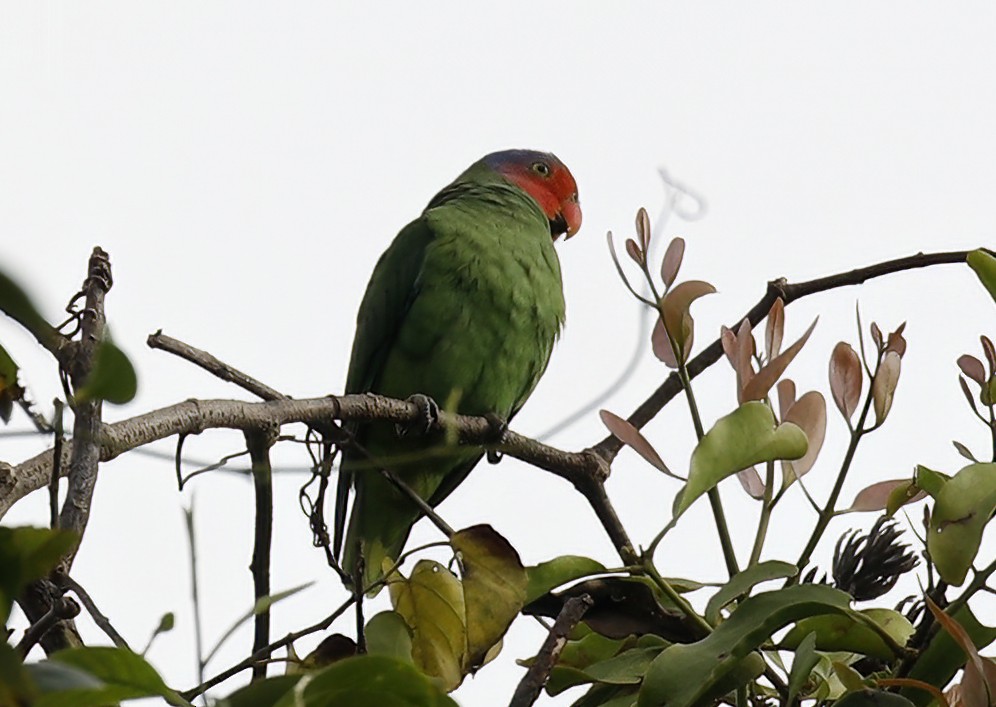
(464, 307)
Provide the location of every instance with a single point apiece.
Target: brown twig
(535, 678)
(259, 442)
(98, 618)
(648, 409)
(265, 652)
(212, 365)
(53, 484)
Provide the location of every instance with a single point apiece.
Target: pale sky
(244, 164)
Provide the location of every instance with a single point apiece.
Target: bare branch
(85, 454)
(98, 618)
(196, 416)
(259, 442)
(212, 365)
(535, 678)
(62, 609)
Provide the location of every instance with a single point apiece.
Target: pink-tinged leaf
(884, 385)
(896, 342)
(876, 496)
(965, 451)
(775, 329)
(974, 662)
(629, 435)
(987, 346)
(810, 413)
(633, 251)
(786, 396)
(876, 336)
(751, 482)
(661, 344)
(675, 306)
(729, 341)
(966, 392)
(643, 228)
(845, 379)
(672, 260)
(769, 374)
(973, 368)
(615, 261)
(745, 352)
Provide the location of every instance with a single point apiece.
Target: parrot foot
(499, 427)
(428, 418)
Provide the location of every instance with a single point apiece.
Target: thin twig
(212, 365)
(188, 515)
(102, 621)
(539, 672)
(53, 484)
(265, 651)
(259, 443)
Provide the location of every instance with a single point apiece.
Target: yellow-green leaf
(432, 604)
(494, 588)
(984, 266)
(745, 437)
(842, 632)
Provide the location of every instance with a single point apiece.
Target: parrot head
(547, 180)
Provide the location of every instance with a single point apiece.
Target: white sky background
(244, 164)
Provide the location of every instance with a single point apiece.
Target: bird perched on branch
(464, 307)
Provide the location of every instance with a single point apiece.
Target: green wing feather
(392, 288)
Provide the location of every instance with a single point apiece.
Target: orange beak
(571, 213)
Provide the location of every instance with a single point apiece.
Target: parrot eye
(541, 168)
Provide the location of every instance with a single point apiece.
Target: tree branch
(63, 609)
(259, 443)
(85, 454)
(212, 365)
(535, 678)
(789, 292)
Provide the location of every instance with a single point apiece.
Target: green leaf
(963, 508)
(747, 436)
(21, 309)
(742, 582)
(10, 390)
(842, 632)
(494, 588)
(627, 668)
(802, 666)
(265, 693)
(432, 604)
(942, 657)
(984, 266)
(368, 681)
(112, 378)
(16, 683)
(685, 674)
(930, 481)
(547, 576)
(120, 675)
(27, 554)
(387, 634)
